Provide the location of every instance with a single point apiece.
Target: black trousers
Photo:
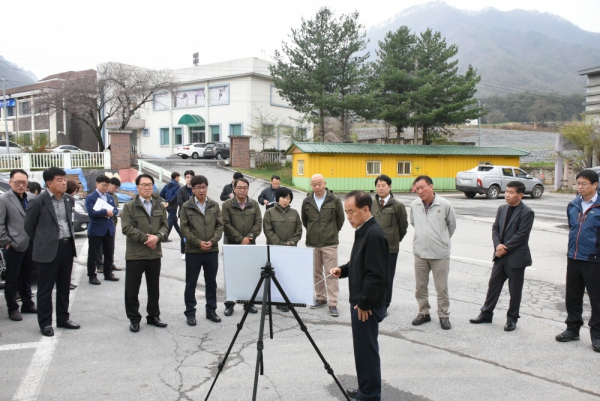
(393, 258)
(19, 267)
(100, 246)
(366, 353)
(58, 271)
(500, 273)
(194, 262)
(134, 269)
(582, 275)
(172, 221)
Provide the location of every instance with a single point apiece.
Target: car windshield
(209, 147)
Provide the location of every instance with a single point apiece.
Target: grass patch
(266, 172)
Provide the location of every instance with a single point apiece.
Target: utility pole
(479, 123)
(4, 114)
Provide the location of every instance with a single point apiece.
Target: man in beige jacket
(434, 222)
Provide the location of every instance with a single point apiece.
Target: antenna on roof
(195, 56)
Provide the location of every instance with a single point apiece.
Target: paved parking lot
(104, 361)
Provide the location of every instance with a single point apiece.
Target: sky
(48, 37)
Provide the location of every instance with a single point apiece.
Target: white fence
(268, 157)
(41, 161)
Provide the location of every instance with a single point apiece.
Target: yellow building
(349, 166)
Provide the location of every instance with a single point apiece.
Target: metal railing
(42, 161)
(156, 171)
(268, 157)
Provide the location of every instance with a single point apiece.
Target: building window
(41, 108)
(177, 137)
(373, 168)
(215, 133)
(25, 108)
(197, 135)
(302, 132)
(146, 132)
(235, 129)
(300, 167)
(164, 136)
(404, 168)
(10, 111)
(160, 101)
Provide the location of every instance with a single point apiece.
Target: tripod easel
(267, 275)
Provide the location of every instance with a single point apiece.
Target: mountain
(15, 75)
(514, 51)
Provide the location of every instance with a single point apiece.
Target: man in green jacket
(144, 223)
(242, 223)
(392, 218)
(323, 218)
(202, 227)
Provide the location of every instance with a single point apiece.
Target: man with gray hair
(433, 219)
(323, 217)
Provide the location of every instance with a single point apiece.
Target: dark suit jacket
(41, 224)
(516, 235)
(99, 224)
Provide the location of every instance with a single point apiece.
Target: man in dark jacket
(267, 196)
(323, 217)
(169, 194)
(202, 227)
(183, 195)
(227, 192)
(391, 217)
(583, 261)
(367, 273)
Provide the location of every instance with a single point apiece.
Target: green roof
(191, 120)
(387, 149)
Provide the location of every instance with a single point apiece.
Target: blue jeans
(194, 262)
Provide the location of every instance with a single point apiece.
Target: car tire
(493, 192)
(194, 155)
(184, 156)
(470, 195)
(219, 156)
(537, 192)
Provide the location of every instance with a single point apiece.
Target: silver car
(491, 181)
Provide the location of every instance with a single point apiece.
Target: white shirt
(319, 201)
(201, 206)
(358, 228)
(586, 205)
(386, 199)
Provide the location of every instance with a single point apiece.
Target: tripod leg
(261, 331)
(240, 325)
(305, 330)
(270, 316)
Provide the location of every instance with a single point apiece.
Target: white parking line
(40, 362)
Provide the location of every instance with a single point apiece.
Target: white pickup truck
(491, 181)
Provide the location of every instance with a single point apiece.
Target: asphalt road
(104, 361)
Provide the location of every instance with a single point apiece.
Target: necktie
(382, 203)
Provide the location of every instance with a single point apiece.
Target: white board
(293, 268)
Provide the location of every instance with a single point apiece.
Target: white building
(213, 102)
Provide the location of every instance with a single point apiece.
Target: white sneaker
(183, 256)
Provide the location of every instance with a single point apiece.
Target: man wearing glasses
(202, 227)
(15, 241)
(242, 222)
(583, 259)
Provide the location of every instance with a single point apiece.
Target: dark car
(218, 150)
(81, 220)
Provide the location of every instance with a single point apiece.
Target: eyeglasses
(242, 188)
(200, 188)
(583, 184)
(20, 183)
(146, 185)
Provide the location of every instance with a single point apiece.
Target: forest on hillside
(532, 107)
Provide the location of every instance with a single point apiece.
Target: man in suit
(510, 233)
(101, 231)
(144, 222)
(183, 195)
(15, 240)
(49, 224)
(368, 276)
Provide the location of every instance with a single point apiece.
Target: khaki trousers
(326, 259)
(439, 268)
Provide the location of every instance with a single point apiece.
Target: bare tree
(265, 126)
(115, 92)
(586, 136)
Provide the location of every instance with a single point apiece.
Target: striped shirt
(60, 209)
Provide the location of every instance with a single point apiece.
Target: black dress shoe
(229, 311)
(251, 309)
(111, 278)
(596, 344)
(72, 286)
(191, 320)
(155, 321)
(480, 319)
(352, 392)
(134, 327)
(48, 331)
(15, 315)
(69, 324)
(213, 317)
(95, 281)
(510, 326)
(28, 309)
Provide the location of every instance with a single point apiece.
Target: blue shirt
(586, 205)
(147, 205)
(319, 201)
(201, 206)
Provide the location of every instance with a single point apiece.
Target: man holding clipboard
(101, 208)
